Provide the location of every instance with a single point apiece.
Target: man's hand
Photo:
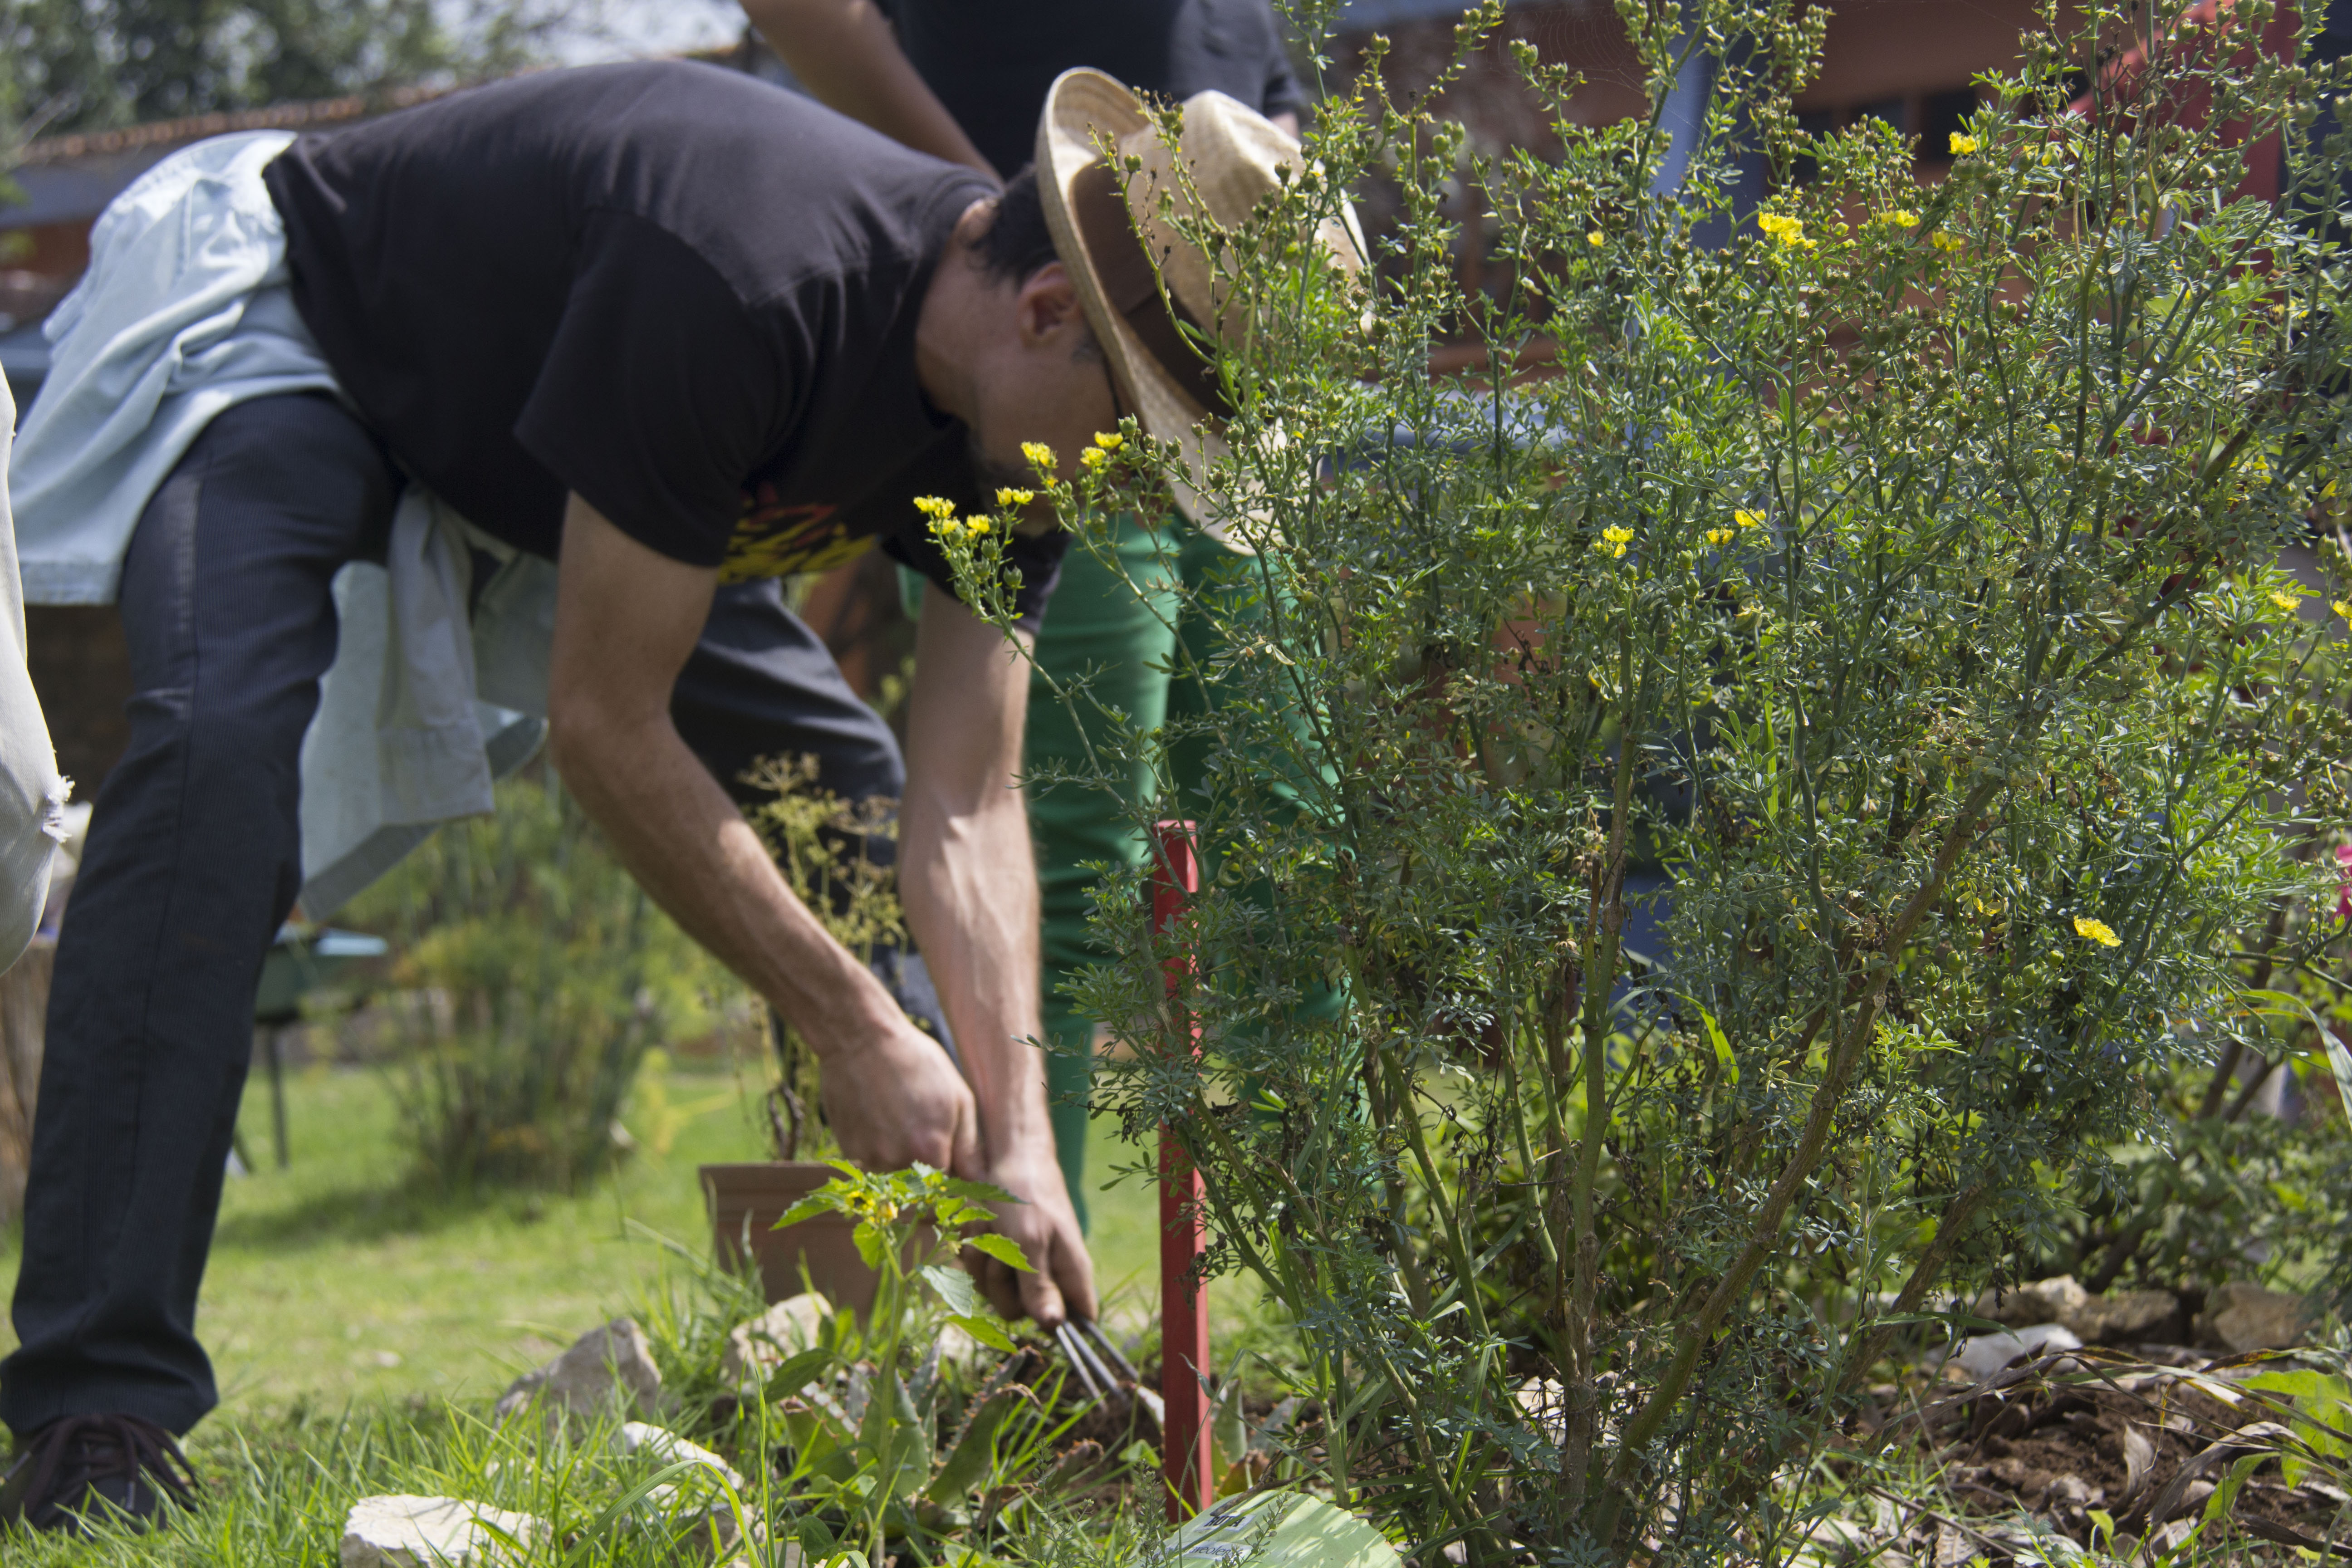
(900, 1100)
(1061, 1281)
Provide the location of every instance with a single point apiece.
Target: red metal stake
(1185, 1458)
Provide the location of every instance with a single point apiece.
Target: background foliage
(89, 65)
(533, 975)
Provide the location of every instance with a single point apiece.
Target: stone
(2243, 1317)
(665, 1447)
(697, 1508)
(606, 1370)
(2125, 1317)
(759, 1347)
(2053, 1301)
(1985, 1354)
(405, 1532)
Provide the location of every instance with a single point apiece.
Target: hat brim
(1084, 109)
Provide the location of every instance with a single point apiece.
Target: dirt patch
(2145, 1439)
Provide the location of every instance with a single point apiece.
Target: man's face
(1046, 382)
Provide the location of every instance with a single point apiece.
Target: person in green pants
(965, 80)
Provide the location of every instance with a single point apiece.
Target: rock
(759, 1347)
(2043, 1301)
(402, 1531)
(697, 1508)
(607, 1369)
(2128, 1317)
(2122, 1319)
(1985, 1354)
(665, 1447)
(2241, 1318)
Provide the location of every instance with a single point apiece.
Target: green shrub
(1943, 660)
(532, 977)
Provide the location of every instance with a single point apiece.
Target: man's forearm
(687, 845)
(969, 882)
(844, 52)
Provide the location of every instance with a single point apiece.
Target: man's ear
(1046, 308)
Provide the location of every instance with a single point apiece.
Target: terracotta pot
(745, 1202)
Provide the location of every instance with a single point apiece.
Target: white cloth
(32, 796)
(184, 313)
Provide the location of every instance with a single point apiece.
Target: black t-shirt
(990, 61)
(686, 294)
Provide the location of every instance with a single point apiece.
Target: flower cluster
(1789, 231)
(1041, 456)
(944, 522)
(2097, 930)
(1105, 443)
(1612, 541)
(1962, 144)
(1897, 217)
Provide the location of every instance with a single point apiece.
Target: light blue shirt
(184, 313)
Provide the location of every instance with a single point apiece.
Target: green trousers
(1098, 624)
(1126, 644)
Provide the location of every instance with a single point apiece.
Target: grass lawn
(336, 1281)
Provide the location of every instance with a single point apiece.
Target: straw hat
(1109, 230)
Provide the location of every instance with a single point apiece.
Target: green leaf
(987, 1331)
(796, 1374)
(873, 1244)
(2225, 1496)
(977, 1192)
(1729, 1063)
(1003, 1248)
(954, 1287)
(968, 1464)
(822, 1201)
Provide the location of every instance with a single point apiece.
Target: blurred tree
(85, 65)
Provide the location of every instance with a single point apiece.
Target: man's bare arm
(626, 619)
(969, 881)
(846, 52)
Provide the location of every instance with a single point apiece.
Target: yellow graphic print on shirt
(772, 539)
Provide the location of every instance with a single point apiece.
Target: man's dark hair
(1018, 243)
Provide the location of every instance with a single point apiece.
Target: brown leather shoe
(79, 1469)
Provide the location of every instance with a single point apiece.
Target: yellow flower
(1962, 145)
(2288, 601)
(2097, 930)
(1747, 520)
(1899, 218)
(1109, 441)
(1612, 541)
(1596, 239)
(1721, 535)
(1789, 231)
(1944, 239)
(1093, 458)
(2343, 607)
(975, 525)
(1040, 456)
(935, 508)
(1011, 498)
